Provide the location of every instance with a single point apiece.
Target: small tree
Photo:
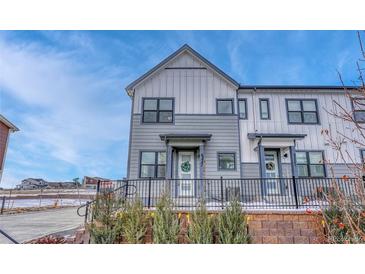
(344, 218)
(200, 230)
(232, 225)
(166, 224)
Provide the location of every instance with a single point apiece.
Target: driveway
(28, 226)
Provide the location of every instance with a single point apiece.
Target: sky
(65, 91)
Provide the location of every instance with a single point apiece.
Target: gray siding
(224, 132)
(250, 170)
(286, 170)
(339, 170)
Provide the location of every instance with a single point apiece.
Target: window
(153, 164)
(226, 161)
(362, 152)
(157, 110)
(302, 111)
(310, 163)
(225, 106)
(264, 109)
(358, 106)
(242, 108)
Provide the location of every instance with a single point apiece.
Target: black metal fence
(255, 193)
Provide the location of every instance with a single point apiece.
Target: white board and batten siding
(195, 90)
(278, 123)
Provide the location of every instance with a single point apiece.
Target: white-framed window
(310, 164)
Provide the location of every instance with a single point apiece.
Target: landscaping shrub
(344, 219)
(165, 224)
(134, 222)
(105, 229)
(200, 229)
(232, 225)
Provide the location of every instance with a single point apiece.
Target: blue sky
(65, 89)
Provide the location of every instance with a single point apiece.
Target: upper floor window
(226, 161)
(362, 152)
(310, 163)
(264, 109)
(153, 164)
(159, 110)
(242, 108)
(358, 105)
(224, 106)
(302, 111)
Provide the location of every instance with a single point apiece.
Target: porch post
(168, 161)
(201, 167)
(292, 160)
(262, 167)
(261, 159)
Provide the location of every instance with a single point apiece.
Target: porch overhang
(253, 136)
(185, 137)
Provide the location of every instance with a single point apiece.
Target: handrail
(88, 203)
(8, 236)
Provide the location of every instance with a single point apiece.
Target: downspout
(130, 136)
(254, 109)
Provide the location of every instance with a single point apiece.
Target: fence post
(126, 190)
(149, 192)
(295, 193)
(222, 193)
(3, 205)
(86, 211)
(98, 187)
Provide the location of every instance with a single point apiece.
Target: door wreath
(185, 166)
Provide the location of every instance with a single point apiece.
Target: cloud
(74, 113)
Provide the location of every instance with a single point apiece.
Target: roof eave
(10, 125)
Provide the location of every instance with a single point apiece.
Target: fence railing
(255, 193)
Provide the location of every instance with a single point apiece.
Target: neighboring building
(6, 127)
(190, 120)
(92, 182)
(35, 183)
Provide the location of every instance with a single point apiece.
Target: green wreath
(185, 166)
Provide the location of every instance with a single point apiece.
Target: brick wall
(286, 228)
(4, 132)
(266, 228)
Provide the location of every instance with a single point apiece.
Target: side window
(242, 108)
(358, 106)
(158, 110)
(152, 164)
(310, 163)
(264, 109)
(362, 152)
(302, 111)
(224, 106)
(226, 161)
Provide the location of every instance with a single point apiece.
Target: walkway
(28, 226)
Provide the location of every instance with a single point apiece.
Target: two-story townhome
(190, 120)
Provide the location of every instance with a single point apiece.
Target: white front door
(186, 173)
(272, 171)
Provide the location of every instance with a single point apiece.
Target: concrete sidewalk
(28, 226)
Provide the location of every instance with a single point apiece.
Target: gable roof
(10, 125)
(184, 48)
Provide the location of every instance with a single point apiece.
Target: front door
(186, 173)
(272, 171)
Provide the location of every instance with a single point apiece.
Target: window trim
(156, 165)
(308, 164)
(158, 110)
(239, 110)
(301, 100)
(234, 159)
(268, 108)
(224, 99)
(354, 110)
